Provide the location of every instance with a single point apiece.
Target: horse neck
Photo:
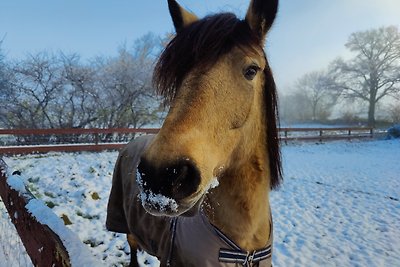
(239, 206)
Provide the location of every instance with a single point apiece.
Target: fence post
(96, 138)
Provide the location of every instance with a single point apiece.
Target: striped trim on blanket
(237, 255)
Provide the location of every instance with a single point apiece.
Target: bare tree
(295, 107)
(36, 83)
(311, 100)
(317, 88)
(50, 91)
(374, 72)
(5, 88)
(76, 107)
(58, 91)
(127, 97)
(3, 75)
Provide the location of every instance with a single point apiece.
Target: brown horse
(197, 193)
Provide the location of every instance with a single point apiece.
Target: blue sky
(307, 35)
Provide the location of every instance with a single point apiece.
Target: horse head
(216, 79)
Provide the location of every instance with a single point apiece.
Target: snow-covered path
(339, 204)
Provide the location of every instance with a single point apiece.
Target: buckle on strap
(244, 258)
(238, 255)
(249, 259)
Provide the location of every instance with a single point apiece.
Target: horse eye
(251, 72)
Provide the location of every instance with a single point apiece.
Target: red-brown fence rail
(23, 141)
(326, 134)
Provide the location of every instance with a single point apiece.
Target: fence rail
(325, 134)
(23, 141)
(76, 131)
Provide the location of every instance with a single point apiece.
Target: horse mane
(199, 45)
(272, 122)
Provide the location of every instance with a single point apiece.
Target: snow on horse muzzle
(169, 189)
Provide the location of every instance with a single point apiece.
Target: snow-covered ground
(12, 251)
(339, 204)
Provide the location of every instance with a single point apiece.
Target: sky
(307, 34)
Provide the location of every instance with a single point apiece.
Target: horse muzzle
(168, 189)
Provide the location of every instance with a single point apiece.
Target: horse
(197, 192)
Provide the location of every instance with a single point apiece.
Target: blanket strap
(172, 241)
(244, 258)
(238, 255)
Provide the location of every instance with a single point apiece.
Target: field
(339, 204)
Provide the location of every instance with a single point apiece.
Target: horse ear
(180, 16)
(260, 16)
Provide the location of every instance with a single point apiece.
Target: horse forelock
(199, 46)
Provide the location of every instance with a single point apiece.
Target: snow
(158, 201)
(12, 251)
(16, 183)
(213, 184)
(76, 186)
(339, 204)
(79, 254)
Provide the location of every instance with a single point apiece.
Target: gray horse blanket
(179, 241)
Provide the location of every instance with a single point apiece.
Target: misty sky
(307, 35)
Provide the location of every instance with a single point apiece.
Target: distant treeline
(47, 90)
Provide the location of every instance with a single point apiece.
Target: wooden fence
(325, 134)
(43, 246)
(23, 141)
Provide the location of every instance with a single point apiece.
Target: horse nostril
(177, 180)
(177, 174)
(184, 178)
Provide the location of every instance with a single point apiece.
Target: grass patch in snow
(95, 196)
(50, 204)
(49, 194)
(34, 190)
(93, 243)
(66, 219)
(33, 180)
(87, 216)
